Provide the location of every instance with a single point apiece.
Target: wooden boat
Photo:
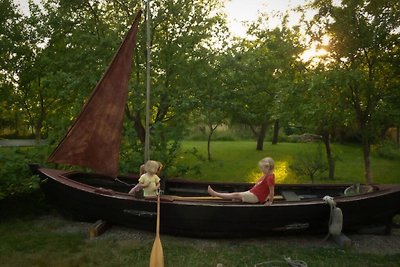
(186, 209)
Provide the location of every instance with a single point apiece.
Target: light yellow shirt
(150, 184)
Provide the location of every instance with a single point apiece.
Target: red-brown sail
(94, 139)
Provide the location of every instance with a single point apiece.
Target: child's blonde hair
(151, 166)
(267, 162)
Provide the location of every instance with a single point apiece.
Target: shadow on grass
(24, 206)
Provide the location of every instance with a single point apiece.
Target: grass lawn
(237, 161)
(53, 241)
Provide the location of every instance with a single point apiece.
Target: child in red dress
(262, 192)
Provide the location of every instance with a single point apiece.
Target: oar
(157, 254)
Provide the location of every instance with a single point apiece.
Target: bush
(388, 150)
(15, 175)
(305, 138)
(309, 164)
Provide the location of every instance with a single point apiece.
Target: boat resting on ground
(93, 141)
(188, 210)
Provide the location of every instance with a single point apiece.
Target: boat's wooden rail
(203, 198)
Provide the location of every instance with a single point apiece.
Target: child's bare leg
(232, 196)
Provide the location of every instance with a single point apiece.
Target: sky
(238, 11)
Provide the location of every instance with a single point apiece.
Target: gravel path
(20, 142)
(362, 243)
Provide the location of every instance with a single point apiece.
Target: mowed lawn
(237, 161)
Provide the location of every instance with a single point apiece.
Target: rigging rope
(122, 182)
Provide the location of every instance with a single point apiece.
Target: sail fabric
(94, 139)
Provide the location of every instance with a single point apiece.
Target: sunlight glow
(254, 176)
(316, 53)
(281, 173)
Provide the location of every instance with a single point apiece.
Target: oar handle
(158, 213)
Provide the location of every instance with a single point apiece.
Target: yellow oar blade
(157, 254)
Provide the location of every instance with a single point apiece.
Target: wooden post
(98, 228)
(342, 240)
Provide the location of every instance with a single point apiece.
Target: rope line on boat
(122, 182)
(335, 223)
(287, 260)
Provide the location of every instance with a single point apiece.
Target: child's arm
(271, 195)
(143, 181)
(145, 184)
(158, 180)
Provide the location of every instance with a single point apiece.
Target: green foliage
(261, 74)
(309, 163)
(15, 175)
(388, 150)
(51, 60)
(360, 69)
(181, 169)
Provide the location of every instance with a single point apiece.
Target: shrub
(15, 175)
(304, 138)
(388, 150)
(309, 164)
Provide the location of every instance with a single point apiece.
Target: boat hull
(200, 217)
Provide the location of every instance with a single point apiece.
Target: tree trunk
(212, 130)
(329, 157)
(40, 119)
(209, 147)
(261, 137)
(38, 131)
(276, 132)
(312, 178)
(367, 161)
(140, 130)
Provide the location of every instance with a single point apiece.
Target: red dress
(261, 188)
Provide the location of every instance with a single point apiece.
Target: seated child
(149, 180)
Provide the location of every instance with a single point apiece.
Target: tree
(13, 52)
(181, 36)
(70, 45)
(265, 70)
(321, 110)
(363, 37)
(213, 96)
(309, 164)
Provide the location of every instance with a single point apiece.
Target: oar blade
(157, 254)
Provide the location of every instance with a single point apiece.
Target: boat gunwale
(60, 176)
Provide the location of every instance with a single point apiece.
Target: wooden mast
(148, 84)
(157, 254)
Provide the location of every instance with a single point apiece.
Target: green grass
(53, 241)
(237, 161)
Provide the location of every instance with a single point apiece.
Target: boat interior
(195, 190)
